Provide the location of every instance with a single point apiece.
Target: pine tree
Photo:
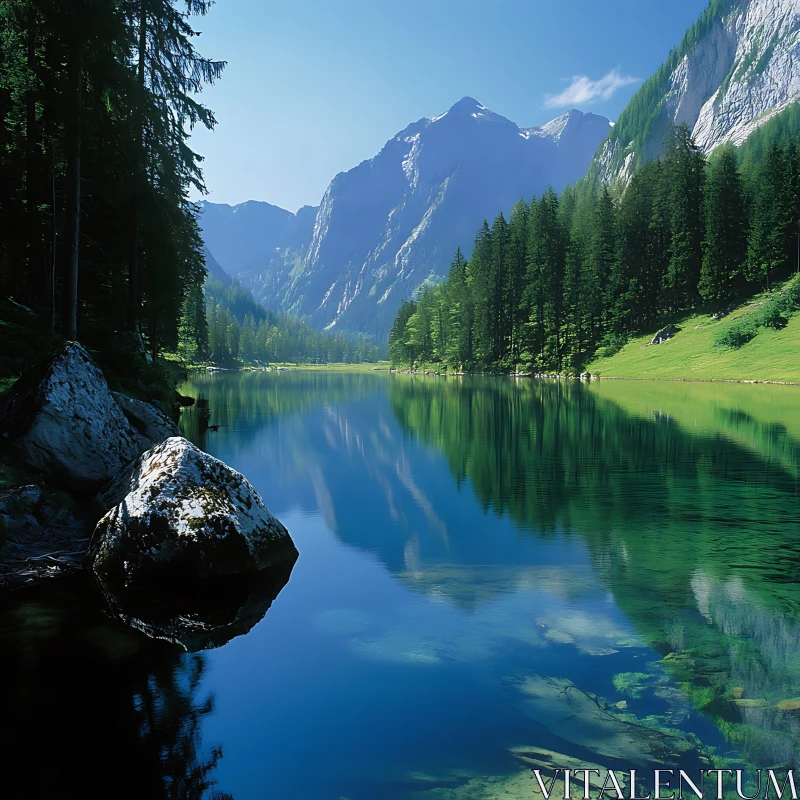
(603, 253)
(515, 280)
(400, 352)
(682, 191)
(546, 256)
(459, 349)
(483, 274)
(725, 243)
(771, 234)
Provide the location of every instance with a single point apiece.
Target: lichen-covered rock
(178, 512)
(186, 545)
(147, 419)
(62, 419)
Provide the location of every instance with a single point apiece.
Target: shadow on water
(97, 711)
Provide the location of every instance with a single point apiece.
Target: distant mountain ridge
(394, 222)
(736, 68)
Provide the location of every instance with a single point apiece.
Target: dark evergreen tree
(515, 277)
(725, 243)
(771, 229)
(400, 351)
(682, 189)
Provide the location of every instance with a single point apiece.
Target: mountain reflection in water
(494, 574)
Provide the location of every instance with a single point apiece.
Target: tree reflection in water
(92, 710)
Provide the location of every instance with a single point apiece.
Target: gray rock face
(664, 334)
(62, 419)
(17, 507)
(20, 528)
(738, 74)
(393, 223)
(188, 536)
(149, 421)
(178, 512)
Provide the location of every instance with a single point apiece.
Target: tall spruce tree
(771, 233)
(515, 277)
(725, 212)
(483, 280)
(682, 190)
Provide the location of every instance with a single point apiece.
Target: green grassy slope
(773, 355)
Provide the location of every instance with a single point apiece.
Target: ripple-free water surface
(488, 569)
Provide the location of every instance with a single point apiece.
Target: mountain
(214, 268)
(257, 242)
(394, 222)
(736, 68)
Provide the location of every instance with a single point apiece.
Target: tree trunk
(69, 321)
(36, 266)
(133, 262)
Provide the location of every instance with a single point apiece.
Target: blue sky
(313, 87)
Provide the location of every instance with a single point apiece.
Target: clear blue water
(472, 556)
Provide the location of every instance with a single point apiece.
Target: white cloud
(583, 90)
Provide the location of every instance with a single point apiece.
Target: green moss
(632, 684)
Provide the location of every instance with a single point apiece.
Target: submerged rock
(62, 419)
(188, 551)
(580, 717)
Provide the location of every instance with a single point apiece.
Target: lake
(494, 574)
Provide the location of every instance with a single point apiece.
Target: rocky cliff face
(392, 223)
(737, 67)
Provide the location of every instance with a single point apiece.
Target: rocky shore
(180, 546)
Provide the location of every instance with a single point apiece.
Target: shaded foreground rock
(188, 552)
(151, 423)
(61, 418)
(40, 536)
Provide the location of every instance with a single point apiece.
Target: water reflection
(684, 498)
(496, 575)
(95, 710)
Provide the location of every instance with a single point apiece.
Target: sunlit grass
(771, 356)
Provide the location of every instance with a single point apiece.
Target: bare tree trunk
(133, 262)
(52, 261)
(69, 321)
(37, 277)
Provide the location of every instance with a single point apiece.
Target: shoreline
(699, 380)
(594, 377)
(372, 367)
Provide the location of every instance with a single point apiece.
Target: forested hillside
(97, 234)
(242, 331)
(569, 277)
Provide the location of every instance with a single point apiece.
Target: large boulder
(665, 334)
(188, 551)
(149, 420)
(62, 419)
